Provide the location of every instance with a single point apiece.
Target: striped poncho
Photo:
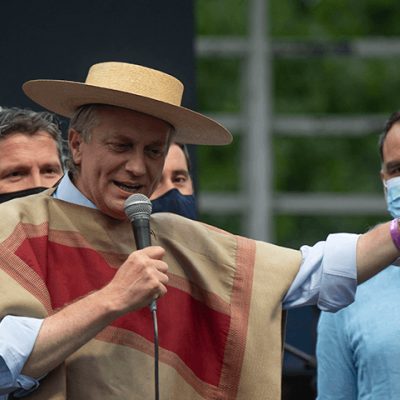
(220, 323)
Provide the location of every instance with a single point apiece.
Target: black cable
(156, 379)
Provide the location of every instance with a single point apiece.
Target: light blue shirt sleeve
(327, 275)
(17, 337)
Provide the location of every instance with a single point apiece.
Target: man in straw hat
(75, 290)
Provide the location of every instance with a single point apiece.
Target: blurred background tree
(326, 83)
(318, 85)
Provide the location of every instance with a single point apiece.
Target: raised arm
(376, 251)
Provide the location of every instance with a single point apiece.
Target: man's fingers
(142, 278)
(154, 252)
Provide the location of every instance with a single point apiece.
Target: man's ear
(75, 143)
(383, 183)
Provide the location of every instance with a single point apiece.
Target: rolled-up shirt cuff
(327, 276)
(339, 278)
(17, 338)
(26, 385)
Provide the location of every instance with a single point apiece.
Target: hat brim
(63, 97)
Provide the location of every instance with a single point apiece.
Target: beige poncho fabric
(220, 324)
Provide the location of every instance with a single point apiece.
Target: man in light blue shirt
(118, 151)
(358, 348)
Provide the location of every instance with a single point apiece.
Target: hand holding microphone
(141, 278)
(138, 209)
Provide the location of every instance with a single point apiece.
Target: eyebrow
(159, 143)
(180, 172)
(56, 166)
(128, 138)
(393, 164)
(11, 168)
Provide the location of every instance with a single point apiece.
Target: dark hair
(187, 157)
(394, 118)
(29, 122)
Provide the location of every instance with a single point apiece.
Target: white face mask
(393, 196)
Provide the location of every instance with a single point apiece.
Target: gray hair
(29, 122)
(83, 120)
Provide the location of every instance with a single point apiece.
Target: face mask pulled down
(20, 193)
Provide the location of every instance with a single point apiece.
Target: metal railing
(256, 122)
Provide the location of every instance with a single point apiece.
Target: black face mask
(21, 193)
(26, 192)
(175, 202)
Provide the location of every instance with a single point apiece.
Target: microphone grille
(138, 204)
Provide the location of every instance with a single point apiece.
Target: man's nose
(168, 185)
(136, 165)
(36, 179)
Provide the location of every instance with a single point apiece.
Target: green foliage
(327, 164)
(318, 85)
(230, 223)
(221, 17)
(217, 85)
(336, 85)
(295, 231)
(324, 19)
(219, 167)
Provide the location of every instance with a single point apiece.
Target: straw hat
(133, 87)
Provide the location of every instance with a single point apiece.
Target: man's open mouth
(128, 188)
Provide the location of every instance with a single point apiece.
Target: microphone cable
(153, 308)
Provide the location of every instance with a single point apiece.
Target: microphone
(138, 209)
